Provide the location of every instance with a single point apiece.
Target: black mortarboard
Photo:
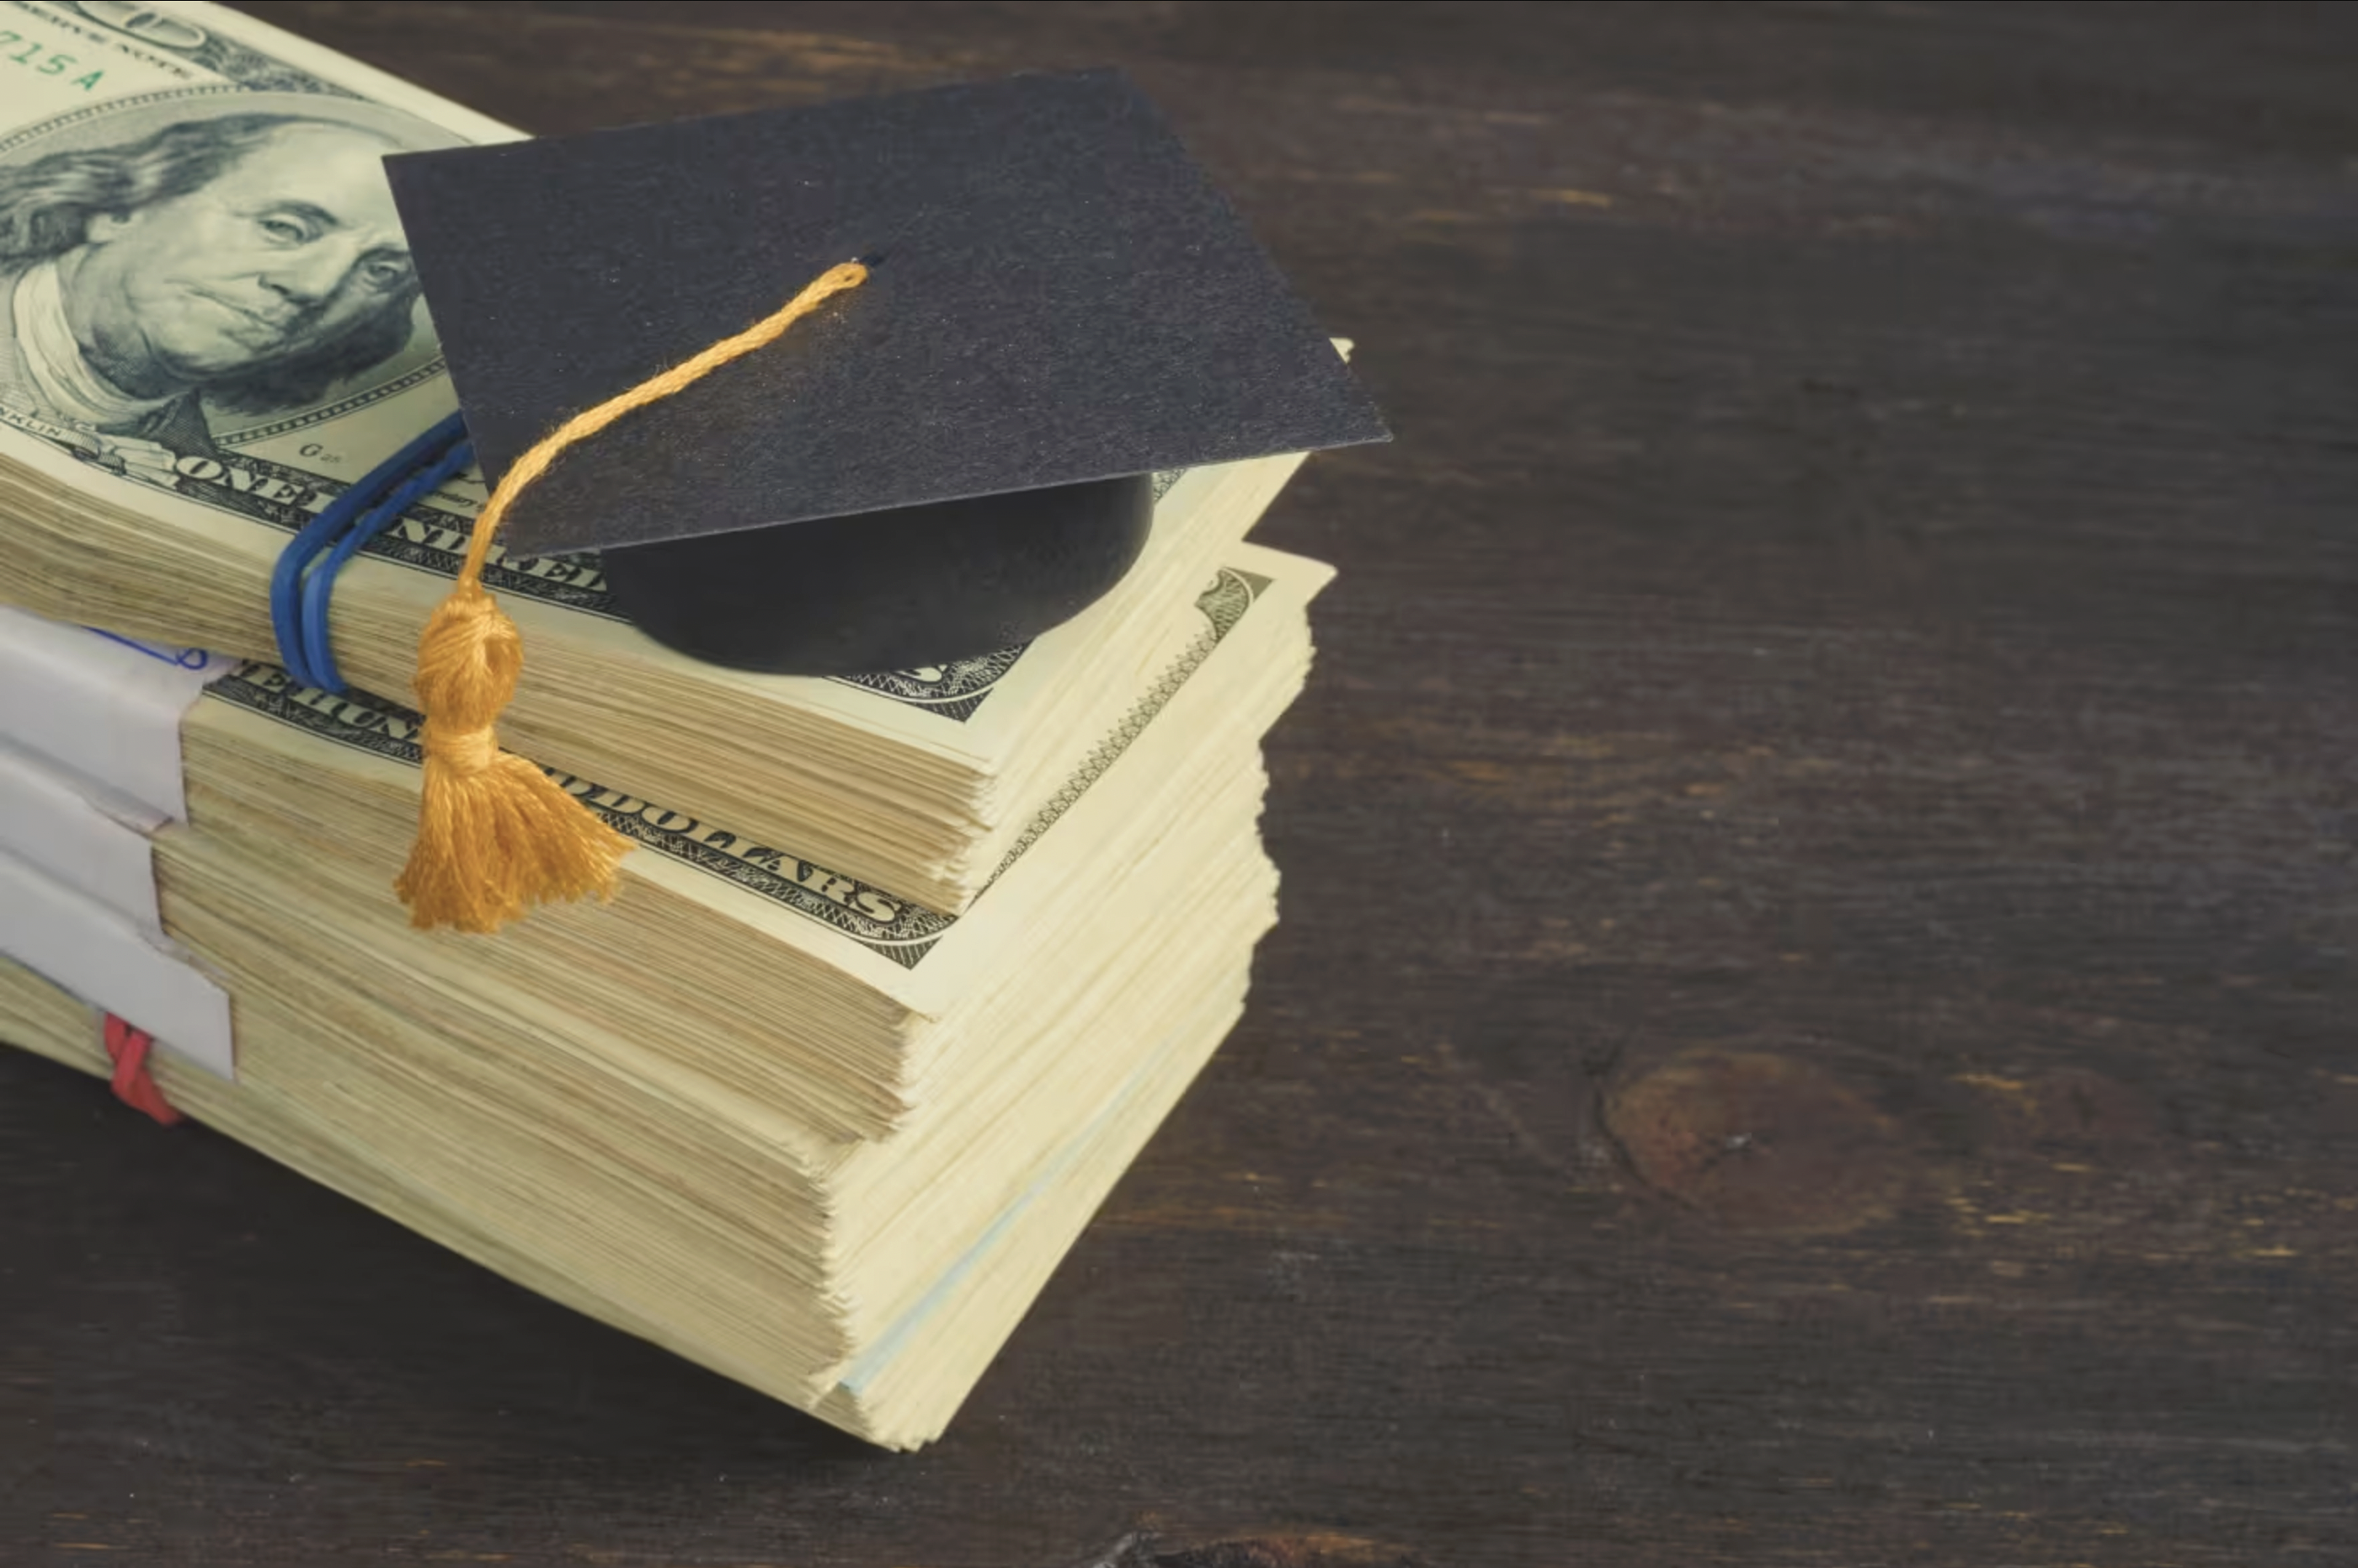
(961, 451)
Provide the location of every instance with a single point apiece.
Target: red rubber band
(128, 1047)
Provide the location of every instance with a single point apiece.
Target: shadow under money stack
(902, 967)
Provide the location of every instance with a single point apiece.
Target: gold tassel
(495, 835)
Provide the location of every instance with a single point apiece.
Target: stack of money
(905, 969)
(813, 1135)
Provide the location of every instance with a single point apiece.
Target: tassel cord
(495, 834)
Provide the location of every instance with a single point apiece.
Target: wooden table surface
(1814, 1018)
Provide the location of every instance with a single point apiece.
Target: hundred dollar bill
(206, 289)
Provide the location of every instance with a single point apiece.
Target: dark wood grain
(1815, 1018)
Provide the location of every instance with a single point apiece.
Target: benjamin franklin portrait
(218, 265)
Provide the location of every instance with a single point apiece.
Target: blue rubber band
(319, 588)
(286, 576)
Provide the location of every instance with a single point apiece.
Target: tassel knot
(464, 751)
(495, 834)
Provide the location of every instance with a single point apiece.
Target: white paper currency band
(79, 833)
(100, 707)
(102, 958)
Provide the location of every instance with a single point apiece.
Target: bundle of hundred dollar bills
(904, 969)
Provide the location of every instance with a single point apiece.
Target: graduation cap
(950, 459)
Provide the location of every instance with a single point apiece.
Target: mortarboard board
(950, 459)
